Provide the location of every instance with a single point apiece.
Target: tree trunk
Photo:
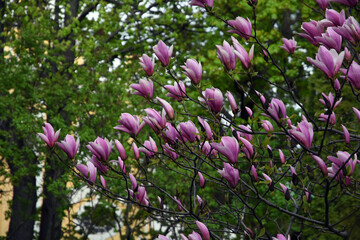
(23, 207)
(50, 226)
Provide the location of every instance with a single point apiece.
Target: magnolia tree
(230, 181)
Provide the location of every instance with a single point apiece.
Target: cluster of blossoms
(229, 149)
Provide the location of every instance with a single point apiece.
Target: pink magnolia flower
(145, 88)
(163, 52)
(134, 184)
(277, 109)
(103, 181)
(338, 162)
(189, 131)
(241, 26)
(101, 148)
(193, 70)
(281, 237)
(170, 151)
(121, 164)
(337, 85)
(282, 156)
(69, 146)
(330, 39)
(88, 171)
(335, 17)
(248, 148)
(98, 164)
(201, 180)
(321, 164)
(353, 74)
(349, 3)
(206, 127)
(183, 237)
(231, 99)
(271, 183)
(214, 98)
(346, 134)
(289, 45)
(357, 113)
(142, 196)
(286, 191)
(120, 149)
(136, 151)
(229, 147)
(177, 92)
(149, 148)
(350, 30)
(329, 101)
(226, 55)
(49, 136)
(314, 29)
(206, 148)
(230, 174)
(294, 176)
(328, 61)
(262, 97)
(202, 3)
(200, 201)
(304, 133)
(161, 206)
(254, 173)
(324, 118)
(204, 230)
(249, 112)
(242, 54)
(347, 55)
(323, 3)
(267, 125)
(179, 204)
(162, 237)
(129, 124)
(147, 64)
(171, 134)
(194, 236)
(167, 107)
(156, 121)
(243, 131)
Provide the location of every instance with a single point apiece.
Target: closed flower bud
(168, 108)
(346, 134)
(286, 191)
(282, 157)
(163, 52)
(242, 27)
(201, 180)
(193, 70)
(147, 64)
(120, 149)
(226, 55)
(254, 173)
(144, 88)
(204, 230)
(321, 164)
(232, 102)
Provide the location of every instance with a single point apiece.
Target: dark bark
(50, 226)
(23, 210)
(23, 207)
